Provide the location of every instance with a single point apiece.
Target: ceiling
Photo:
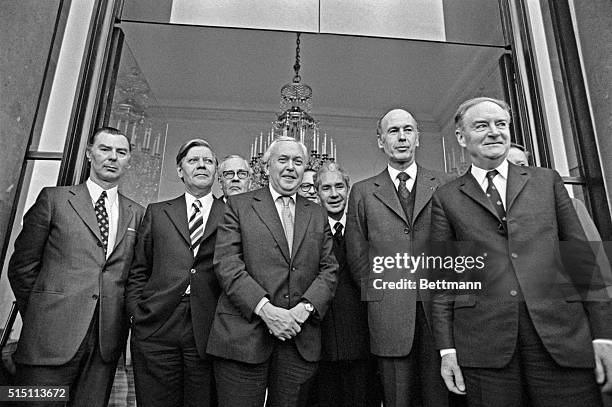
(223, 68)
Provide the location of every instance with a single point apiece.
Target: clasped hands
(284, 323)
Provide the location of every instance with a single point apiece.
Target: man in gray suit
(387, 214)
(68, 275)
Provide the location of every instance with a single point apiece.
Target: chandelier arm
(296, 66)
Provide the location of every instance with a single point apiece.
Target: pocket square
(131, 230)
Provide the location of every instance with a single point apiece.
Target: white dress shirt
(342, 221)
(111, 203)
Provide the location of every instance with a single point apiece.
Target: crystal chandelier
(295, 120)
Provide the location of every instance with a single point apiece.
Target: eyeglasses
(306, 187)
(229, 174)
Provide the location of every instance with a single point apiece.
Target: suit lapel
(303, 208)
(425, 185)
(387, 194)
(125, 217)
(216, 213)
(265, 208)
(83, 206)
(470, 187)
(176, 210)
(517, 178)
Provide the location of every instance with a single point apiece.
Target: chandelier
(295, 120)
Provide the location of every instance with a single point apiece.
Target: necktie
(102, 217)
(196, 225)
(339, 245)
(338, 231)
(495, 198)
(287, 219)
(404, 193)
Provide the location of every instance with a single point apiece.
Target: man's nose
(113, 155)
(290, 165)
(494, 130)
(401, 135)
(333, 192)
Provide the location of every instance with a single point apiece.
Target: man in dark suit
(346, 376)
(275, 263)
(542, 321)
(172, 290)
(68, 275)
(388, 214)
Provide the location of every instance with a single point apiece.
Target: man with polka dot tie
(68, 275)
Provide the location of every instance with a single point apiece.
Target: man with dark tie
(539, 331)
(346, 376)
(275, 263)
(172, 290)
(389, 214)
(68, 276)
(235, 175)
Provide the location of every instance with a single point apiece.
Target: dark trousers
(89, 377)
(532, 378)
(415, 380)
(286, 375)
(168, 371)
(346, 383)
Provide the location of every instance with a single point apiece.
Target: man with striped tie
(172, 290)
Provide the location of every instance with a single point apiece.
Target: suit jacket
(252, 261)
(59, 274)
(377, 226)
(344, 329)
(164, 265)
(540, 259)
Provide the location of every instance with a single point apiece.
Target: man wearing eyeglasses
(307, 188)
(235, 175)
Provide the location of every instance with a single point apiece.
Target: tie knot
(102, 196)
(338, 228)
(403, 177)
(285, 200)
(491, 174)
(197, 205)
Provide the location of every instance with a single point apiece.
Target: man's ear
(380, 141)
(179, 172)
(460, 138)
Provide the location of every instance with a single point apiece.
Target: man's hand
(300, 313)
(603, 365)
(451, 373)
(280, 322)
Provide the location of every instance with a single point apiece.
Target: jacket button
(293, 269)
(406, 230)
(514, 255)
(193, 271)
(286, 296)
(95, 296)
(513, 293)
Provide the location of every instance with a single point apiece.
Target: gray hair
(330, 167)
(468, 104)
(229, 157)
(266, 156)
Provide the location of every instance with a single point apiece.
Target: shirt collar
(95, 190)
(342, 221)
(481, 174)
(206, 200)
(275, 194)
(411, 170)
